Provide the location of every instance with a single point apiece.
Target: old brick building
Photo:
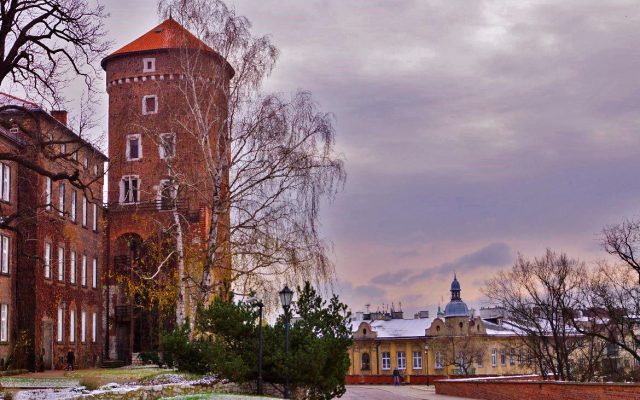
(52, 252)
(68, 254)
(157, 166)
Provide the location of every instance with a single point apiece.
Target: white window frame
(503, 357)
(94, 217)
(73, 265)
(60, 264)
(60, 324)
(162, 147)
(146, 61)
(5, 254)
(401, 358)
(123, 195)
(494, 357)
(5, 182)
(63, 149)
(386, 360)
(417, 360)
(512, 356)
(94, 273)
(94, 327)
(138, 137)
(72, 326)
(144, 104)
(85, 163)
(4, 322)
(174, 193)
(47, 192)
(83, 326)
(84, 211)
(61, 198)
(47, 260)
(439, 360)
(83, 271)
(74, 205)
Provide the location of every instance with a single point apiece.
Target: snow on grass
(12, 382)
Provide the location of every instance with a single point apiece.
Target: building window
(47, 260)
(74, 155)
(94, 273)
(402, 360)
(148, 65)
(4, 322)
(83, 326)
(85, 163)
(5, 243)
(95, 169)
(84, 210)
(95, 217)
(417, 360)
(60, 332)
(74, 206)
(61, 263)
(134, 147)
(386, 360)
(480, 360)
(167, 195)
(63, 149)
(494, 357)
(150, 105)
(439, 360)
(72, 326)
(366, 362)
(83, 271)
(72, 267)
(512, 356)
(167, 147)
(130, 189)
(47, 193)
(503, 357)
(94, 327)
(520, 357)
(61, 199)
(5, 182)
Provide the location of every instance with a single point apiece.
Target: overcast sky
(471, 130)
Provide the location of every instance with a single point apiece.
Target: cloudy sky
(471, 130)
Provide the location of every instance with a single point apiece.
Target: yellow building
(455, 342)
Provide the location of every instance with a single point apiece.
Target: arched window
(438, 328)
(366, 362)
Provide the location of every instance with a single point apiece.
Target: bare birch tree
(270, 160)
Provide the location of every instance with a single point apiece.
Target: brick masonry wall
(508, 390)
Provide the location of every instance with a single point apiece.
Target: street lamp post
(286, 295)
(426, 361)
(254, 302)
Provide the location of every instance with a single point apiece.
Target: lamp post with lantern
(286, 295)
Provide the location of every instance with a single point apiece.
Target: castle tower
(158, 163)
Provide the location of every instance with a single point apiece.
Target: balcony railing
(181, 205)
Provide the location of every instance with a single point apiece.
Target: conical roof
(168, 35)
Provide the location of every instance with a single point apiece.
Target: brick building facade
(55, 241)
(62, 260)
(157, 166)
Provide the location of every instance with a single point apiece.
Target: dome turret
(456, 307)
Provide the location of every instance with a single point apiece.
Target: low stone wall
(159, 391)
(508, 389)
(407, 379)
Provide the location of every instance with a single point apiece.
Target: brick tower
(157, 164)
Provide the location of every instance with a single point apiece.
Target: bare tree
(538, 296)
(45, 43)
(270, 160)
(462, 352)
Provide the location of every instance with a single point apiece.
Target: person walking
(71, 359)
(396, 376)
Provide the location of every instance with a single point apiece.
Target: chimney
(60, 115)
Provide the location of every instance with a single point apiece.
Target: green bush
(149, 357)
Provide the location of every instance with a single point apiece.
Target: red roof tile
(167, 35)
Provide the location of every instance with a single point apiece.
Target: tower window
(150, 105)
(167, 147)
(134, 147)
(148, 65)
(130, 189)
(167, 195)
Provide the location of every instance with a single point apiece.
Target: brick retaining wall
(523, 390)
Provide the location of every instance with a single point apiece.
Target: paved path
(390, 392)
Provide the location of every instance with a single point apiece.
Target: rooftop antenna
(367, 307)
(170, 12)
